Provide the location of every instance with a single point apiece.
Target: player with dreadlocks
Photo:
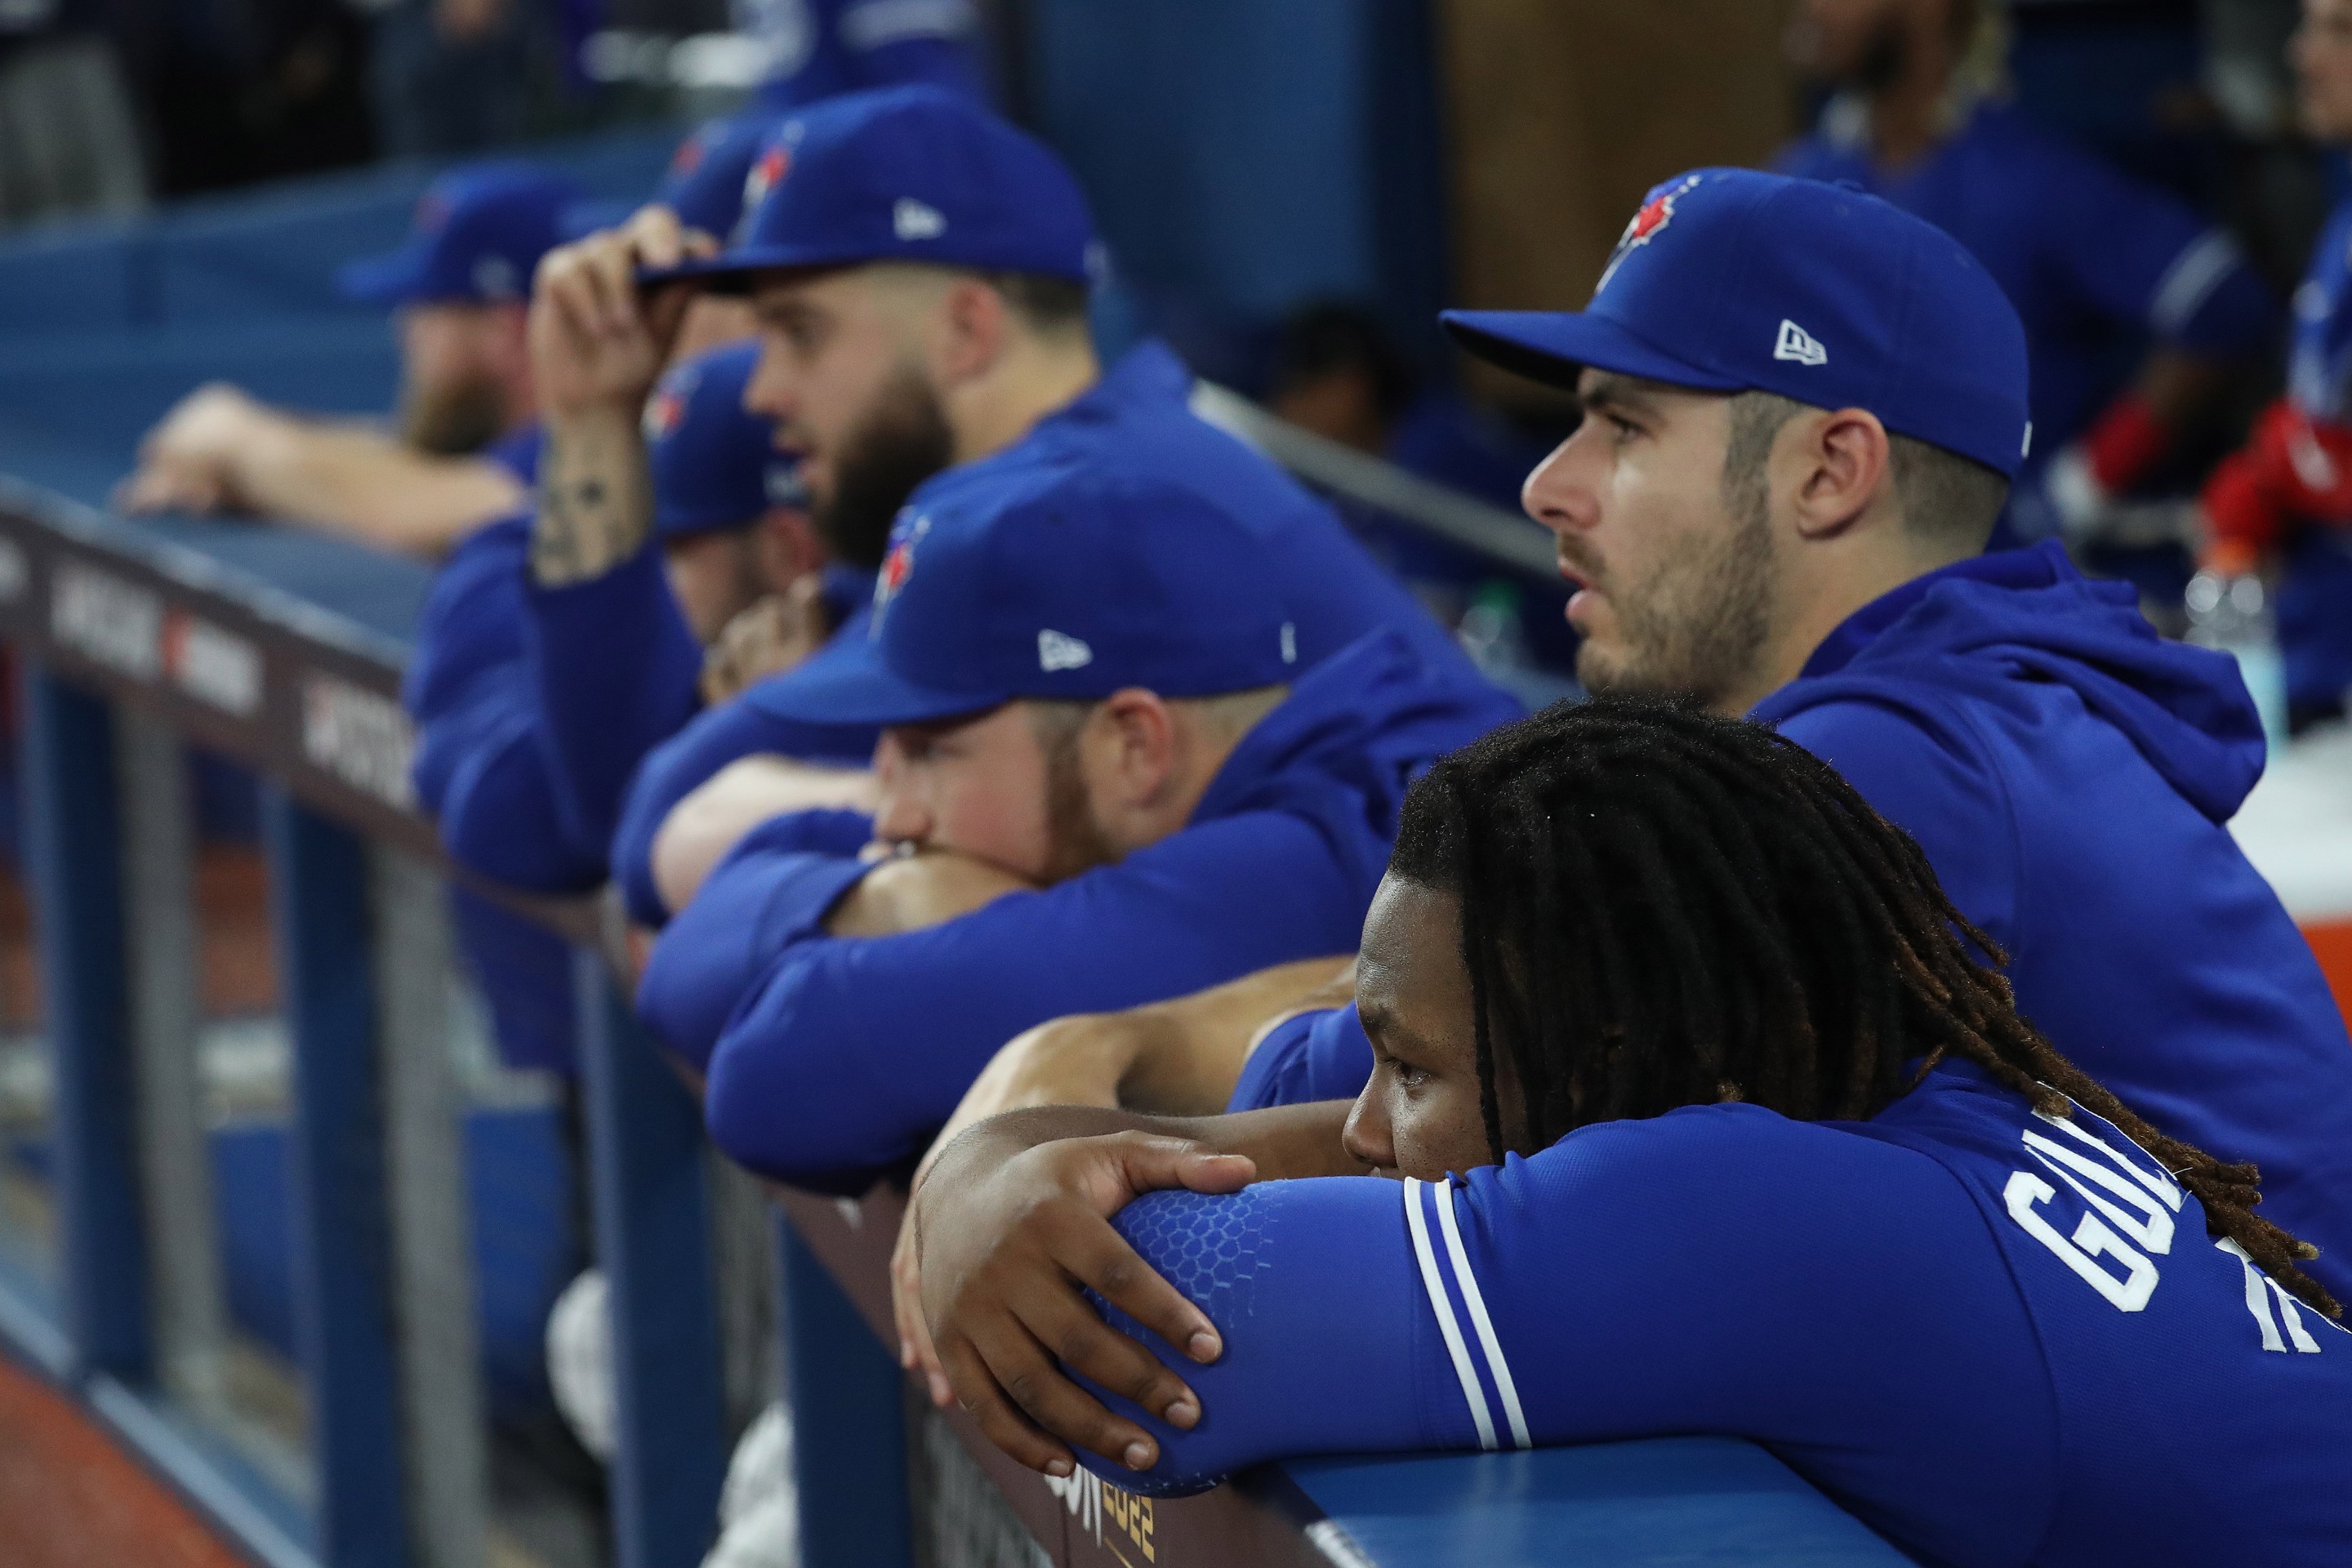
(1746, 1138)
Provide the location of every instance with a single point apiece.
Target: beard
(1697, 628)
(903, 440)
(1075, 842)
(454, 420)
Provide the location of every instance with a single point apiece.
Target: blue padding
(1681, 1501)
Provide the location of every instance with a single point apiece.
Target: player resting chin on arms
(1754, 1145)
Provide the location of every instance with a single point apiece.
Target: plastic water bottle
(2230, 612)
(1491, 632)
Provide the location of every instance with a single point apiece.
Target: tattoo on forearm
(594, 509)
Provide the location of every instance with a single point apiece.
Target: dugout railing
(130, 646)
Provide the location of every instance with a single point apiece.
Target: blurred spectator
(448, 75)
(2283, 502)
(255, 90)
(822, 48)
(466, 450)
(2092, 260)
(68, 137)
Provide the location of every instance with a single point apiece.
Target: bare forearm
(700, 829)
(1285, 1142)
(595, 501)
(364, 485)
(1189, 1051)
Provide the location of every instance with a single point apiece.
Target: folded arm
(848, 1053)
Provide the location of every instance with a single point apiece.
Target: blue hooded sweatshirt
(2068, 774)
(1139, 417)
(830, 1059)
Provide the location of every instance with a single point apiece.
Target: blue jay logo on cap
(664, 409)
(1059, 650)
(897, 566)
(1647, 225)
(768, 172)
(1799, 345)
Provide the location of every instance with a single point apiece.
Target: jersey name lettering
(2122, 1197)
(2261, 1291)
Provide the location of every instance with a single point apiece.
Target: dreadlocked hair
(1664, 908)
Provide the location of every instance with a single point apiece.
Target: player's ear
(977, 325)
(1836, 465)
(1137, 743)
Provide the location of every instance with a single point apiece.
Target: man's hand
(189, 461)
(1001, 1231)
(912, 892)
(774, 635)
(597, 341)
(1077, 1060)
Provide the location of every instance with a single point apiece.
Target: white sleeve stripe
(1452, 1330)
(1475, 1300)
(2190, 280)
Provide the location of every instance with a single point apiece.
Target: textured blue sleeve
(1930, 779)
(1315, 1055)
(2139, 255)
(1719, 1269)
(772, 889)
(615, 670)
(687, 760)
(849, 1052)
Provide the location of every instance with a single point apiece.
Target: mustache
(1575, 558)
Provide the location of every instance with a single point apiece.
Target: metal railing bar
(442, 1406)
(187, 1310)
(1503, 537)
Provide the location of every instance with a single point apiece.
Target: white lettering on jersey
(2261, 1291)
(2153, 1200)
(2092, 1239)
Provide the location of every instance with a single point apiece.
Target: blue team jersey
(1139, 417)
(832, 1057)
(1998, 1338)
(819, 48)
(2096, 263)
(2069, 774)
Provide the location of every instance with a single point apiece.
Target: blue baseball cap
(706, 180)
(1732, 281)
(478, 238)
(715, 463)
(905, 173)
(1059, 578)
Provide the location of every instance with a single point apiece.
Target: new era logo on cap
(1797, 344)
(1058, 651)
(911, 219)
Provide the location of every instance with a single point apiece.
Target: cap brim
(847, 686)
(1554, 346)
(732, 272)
(393, 279)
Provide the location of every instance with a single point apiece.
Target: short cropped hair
(1945, 498)
(1048, 306)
